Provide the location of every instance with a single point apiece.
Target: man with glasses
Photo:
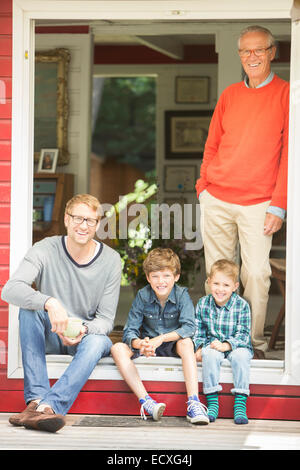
(74, 276)
(242, 187)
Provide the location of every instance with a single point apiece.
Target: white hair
(258, 29)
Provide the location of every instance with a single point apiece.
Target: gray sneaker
(153, 408)
(196, 411)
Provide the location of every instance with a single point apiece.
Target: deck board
(221, 435)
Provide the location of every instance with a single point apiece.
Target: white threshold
(169, 369)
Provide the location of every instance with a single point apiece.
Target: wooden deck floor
(221, 435)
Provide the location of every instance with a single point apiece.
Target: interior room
(107, 97)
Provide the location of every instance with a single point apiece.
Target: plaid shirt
(231, 323)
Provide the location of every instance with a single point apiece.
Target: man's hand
(57, 315)
(273, 223)
(72, 341)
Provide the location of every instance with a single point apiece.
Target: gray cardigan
(89, 291)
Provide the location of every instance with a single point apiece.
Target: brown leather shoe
(45, 420)
(16, 420)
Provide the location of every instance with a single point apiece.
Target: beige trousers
(223, 225)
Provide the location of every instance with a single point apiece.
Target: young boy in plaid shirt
(223, 330)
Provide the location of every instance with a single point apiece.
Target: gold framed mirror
(51, 108)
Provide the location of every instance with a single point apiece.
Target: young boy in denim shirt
(161, 322)
(223, 330)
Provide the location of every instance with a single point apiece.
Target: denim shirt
(148, 318)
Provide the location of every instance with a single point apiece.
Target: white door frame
(24, 14)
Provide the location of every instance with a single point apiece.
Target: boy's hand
(156, 342)
(198, 355)
(222, 347)
(146, 348)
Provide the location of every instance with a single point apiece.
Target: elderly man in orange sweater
(242, 187)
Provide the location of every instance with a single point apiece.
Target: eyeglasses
(257, 52)
(77, 219)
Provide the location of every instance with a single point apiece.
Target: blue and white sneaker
(196, 411)
(153, 408)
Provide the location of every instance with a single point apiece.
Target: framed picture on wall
(180, 178)
(189, 90)
(186, 133)
(48, 161)
(51, 103)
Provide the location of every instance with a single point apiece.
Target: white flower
(147, 245)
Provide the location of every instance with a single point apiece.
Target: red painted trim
(4, 191)
(5, 129)
(127, 404)
(145, 55)
(6, 88)
(5, 45)
(5, 218)
(164, 387)
(80, 29)
(257, 407)
(3, 304)
(193, 54)
(114, 400)
(6, 6)
(4, 239)
(10, 384)
(5, 24)
(4, 271)
(5, 66)
(3, 335)
(3, 318)
(5, 109)
(5, 150)
(5, 171)
(11, 401)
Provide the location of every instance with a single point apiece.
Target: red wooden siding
(5, 170)
(114, 397)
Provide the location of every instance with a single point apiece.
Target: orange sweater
(245, 155)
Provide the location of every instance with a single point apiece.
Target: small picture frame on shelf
(48, 161)
(180, 178)
(192, 90)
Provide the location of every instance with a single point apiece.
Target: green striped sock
(240, 416)
(212, 406)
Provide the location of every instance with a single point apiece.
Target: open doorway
(123, 148)
(123, 137)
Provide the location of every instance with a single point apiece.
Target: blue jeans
(240, 363)
(37, 340)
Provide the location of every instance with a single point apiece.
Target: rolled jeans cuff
(216, 388)
(240, 390)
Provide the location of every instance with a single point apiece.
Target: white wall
(79, 86)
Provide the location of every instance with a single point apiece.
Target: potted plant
(141, 239)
